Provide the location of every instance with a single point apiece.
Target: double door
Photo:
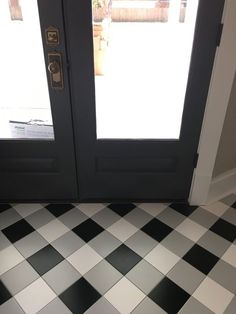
(103, 101)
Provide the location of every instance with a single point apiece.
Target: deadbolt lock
(55, 70)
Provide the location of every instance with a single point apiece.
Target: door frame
(217, 103)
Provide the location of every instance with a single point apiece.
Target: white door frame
(216, 107)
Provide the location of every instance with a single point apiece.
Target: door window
(25, 111)
(142, 52)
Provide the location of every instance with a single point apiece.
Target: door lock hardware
(55, 70)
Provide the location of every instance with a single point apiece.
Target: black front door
(139, 91)
(37, 160)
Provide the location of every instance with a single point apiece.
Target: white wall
(226, 155)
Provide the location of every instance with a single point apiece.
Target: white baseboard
(222, 185)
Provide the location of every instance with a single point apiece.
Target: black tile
(18, 230)
(234, 205)
(157, 229)
(169, 296)
(80, 296)
(123, 259)
(45, 259)
(224, 229)
(184, 209)
(59, 209)
(201, 259)
(4, 207)
(122, 209)
(88, 230)
(4, 294)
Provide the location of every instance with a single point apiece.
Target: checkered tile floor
(118, 258)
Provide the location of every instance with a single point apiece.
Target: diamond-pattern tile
(214, 243)
(122, 229)
(121, 209)
(106, 217)
(171, 217)
(25, 275)
(103, 276)
(201, 259)
(61, 277)
(118, 258)
(80, 296)
(34, 297)
(183, 209)
(59, 209)
(225, 275)
(88, 230)
(9, 258)
(9, 217)
(213, 295)
(156, 229)
(18, 230)
(84, 259)
(104, 243)
(144, 276)
(141, 243)
(123, 259)
(45, 259)
(186, 276)
(68, 243)
(30, 244)
(162, 259)
(169, 296)
(224, 229)
(124, 296)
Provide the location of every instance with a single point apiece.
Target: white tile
(216, 208)
(122, 229)
(124, 296)
(9, 258)
(153, 208)
(162, 259)
(213, 295)
(53, 230)
(34, 297)
(90, 209)
(230, 255)
(27, 209)
(191, 229)
(84, 259)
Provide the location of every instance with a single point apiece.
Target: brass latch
(55, 70)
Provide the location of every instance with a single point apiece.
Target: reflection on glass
(24, 101)
(142, 51)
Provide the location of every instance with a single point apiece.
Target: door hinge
(195, 160)
(219, 34)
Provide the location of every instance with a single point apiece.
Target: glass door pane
(25, 111)
(142, 52)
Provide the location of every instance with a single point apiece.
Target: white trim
(216, 106)
(222, 186)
